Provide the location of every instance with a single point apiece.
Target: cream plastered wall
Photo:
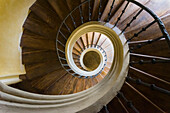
(12, 17)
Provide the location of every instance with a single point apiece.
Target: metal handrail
(156, 20)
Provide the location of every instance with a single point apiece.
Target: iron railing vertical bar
(123, 11)
(100, 6)
(129, 103)
(134, 18)
(143, 29)
(90, 14)
(109, 14)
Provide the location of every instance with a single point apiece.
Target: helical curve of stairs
(92, 56)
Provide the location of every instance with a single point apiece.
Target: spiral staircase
(88, 56)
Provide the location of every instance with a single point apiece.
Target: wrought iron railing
(156, 20)
(142, 7)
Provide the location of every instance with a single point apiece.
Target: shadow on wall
(13, 14)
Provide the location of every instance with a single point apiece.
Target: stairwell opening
(91, 60)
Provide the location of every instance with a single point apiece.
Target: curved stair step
(34, 24)
(69, 86)
(73, 3)
(58, 86)
(98, 6)
(131, 8)
(108, 13)
(87, 84)
(115, 106)
(79, 85)
(159, 8)
(152, 32)
(43, 83)
(29, 50)
(41, 69)
(155, 97)
(159, 70)
(140, 101)
(38, 57)
(61, 8)
(161, 49)
(27, 33)
(38, 44)
(43, 10)
(149, 78)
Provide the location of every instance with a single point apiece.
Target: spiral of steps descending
(93, 56)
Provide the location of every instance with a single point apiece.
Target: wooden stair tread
(46, 13)
(30, 50)
(27, 33)
(159, 70)
(58, 7)
(161, 49)
(73, 4)
(148, 78)
(96, 8)
(36, 25)
(36, 70)
(94, 81)
(43, 83)
(117, 4)
(139, 101)
(151, 33)
(85, 10)
(70, 86)
(38, 57)
(57, 87)
(156, 97)
(87, 84)
(79, 85)
(116, 106)
(129, 11)
(38, 44)
(145, 18)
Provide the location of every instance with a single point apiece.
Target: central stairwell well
(92, 56)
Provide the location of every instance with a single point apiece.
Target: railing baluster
(143, 29)
(68, 70)
(67, 27)
(129, 103)
(61, 51)
(146, 43)
(157, 19)
(152, 61)
(61, 43)
(121, 14)
(109, 14)
(81, 16)
(63, 35)
(73, 21)
(106, 109)
(152, 86)
(143, 96)
(90, 14)
(149, 75)
(65, 65)
(134, 18)
(62, 58)
(100, 6)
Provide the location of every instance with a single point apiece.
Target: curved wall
(12, 16)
